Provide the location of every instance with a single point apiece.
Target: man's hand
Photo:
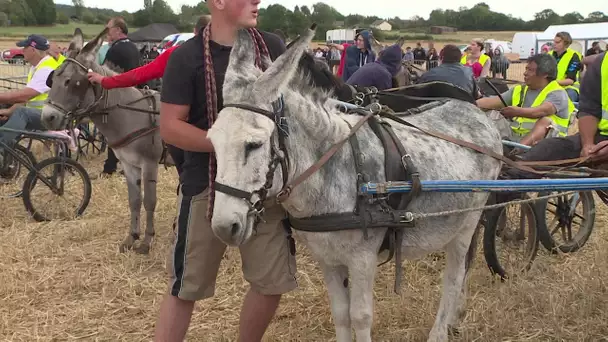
(599, 152)
(586, 150)
(94, 77)
(5, 114)
(510, 112)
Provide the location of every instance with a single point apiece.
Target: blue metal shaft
(514, 144)
(510, 185)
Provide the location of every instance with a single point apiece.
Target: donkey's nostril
(235, 228)
(52, 117)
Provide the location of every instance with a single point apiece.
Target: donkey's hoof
(143, 249)
(453, 331)
(124, 247)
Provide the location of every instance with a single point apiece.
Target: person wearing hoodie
(380, 73)
(356, 56)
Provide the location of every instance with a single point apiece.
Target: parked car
(13, 56)
(174, 39)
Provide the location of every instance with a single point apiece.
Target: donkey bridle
(278, 157)
(97, 90)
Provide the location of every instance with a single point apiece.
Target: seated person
(536, 107)
(27, 103)
(380, 73)
(592, 139)
(452, 71)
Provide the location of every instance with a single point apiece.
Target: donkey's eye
(251, 146)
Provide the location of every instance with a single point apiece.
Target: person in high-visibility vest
(537, 106)
(27, 103)
(569, 64)
(477, 60)
(592, 139)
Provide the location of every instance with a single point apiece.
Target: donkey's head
(245, 136)
(71, 90)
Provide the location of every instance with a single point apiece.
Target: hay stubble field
(66, 281)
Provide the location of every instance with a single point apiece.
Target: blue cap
(35, 41)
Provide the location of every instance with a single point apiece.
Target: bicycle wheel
(520, 236)
(58, 171)
(567, 212)
(13, 172)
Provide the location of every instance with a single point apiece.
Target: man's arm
(590, 103)
(142, 74)
(177, 96)
(486, 68)
(494, 102)
(545, 109)
(36, 86)
(18, 96)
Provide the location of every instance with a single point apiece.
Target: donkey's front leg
(149, 177)
(336, 279)
(362, 272)
(133, 175)
(453, 283)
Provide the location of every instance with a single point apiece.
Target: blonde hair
(565, 36)
(480, 42)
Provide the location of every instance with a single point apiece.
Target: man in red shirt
(145, 73)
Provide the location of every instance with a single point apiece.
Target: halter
(98, 90)
(278, 156)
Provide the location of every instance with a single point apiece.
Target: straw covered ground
(66, 281)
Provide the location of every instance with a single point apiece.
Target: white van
(504, 46)
(174, 39)
(524, 44)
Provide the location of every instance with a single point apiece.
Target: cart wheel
(565, 222)
(70, 196)
(514, 229)
(13, 172)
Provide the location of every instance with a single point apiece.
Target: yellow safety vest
(603, 124)
(522, 126)
(60, 59)
(482, 59)
(38, 100)
(562, 68)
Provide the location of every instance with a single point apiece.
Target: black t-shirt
(574, 66)
(184, 84)
(124, 54)
(590, 100)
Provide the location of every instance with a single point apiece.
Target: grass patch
(58, 31)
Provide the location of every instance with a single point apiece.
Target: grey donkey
(72, 97)
(243, 141)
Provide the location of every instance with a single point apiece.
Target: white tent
(583, 35)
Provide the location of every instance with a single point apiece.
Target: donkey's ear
(376, 46)
(242, 56)
(92, 47)
(76, 43)
(400, 41)
(280, 73)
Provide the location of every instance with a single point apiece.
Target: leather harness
(96, 108)
(388, 212)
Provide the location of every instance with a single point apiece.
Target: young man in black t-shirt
(268, 265)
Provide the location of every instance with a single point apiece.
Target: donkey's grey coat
(140, 158)
(314, 125)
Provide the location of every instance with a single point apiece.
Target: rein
(279, 154)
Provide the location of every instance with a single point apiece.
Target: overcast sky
(392, 8)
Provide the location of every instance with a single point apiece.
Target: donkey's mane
(321, 80)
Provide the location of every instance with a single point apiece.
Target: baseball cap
(35, 41)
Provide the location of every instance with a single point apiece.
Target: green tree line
(291, 22)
